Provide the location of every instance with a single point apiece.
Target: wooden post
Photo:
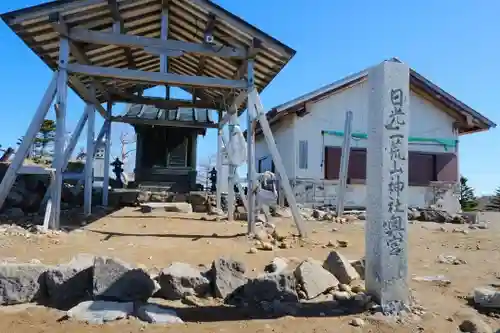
(89, 161)
(10, 175)
(344, 163)
(107, 155)
(61, 104)
(250, 152)
(258, 110)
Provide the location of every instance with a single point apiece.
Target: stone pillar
(387, 184)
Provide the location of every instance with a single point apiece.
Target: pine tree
(45, 138)
(468, 200)
(494, 204)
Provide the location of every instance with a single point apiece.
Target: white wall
(426, 121)
(328, 114)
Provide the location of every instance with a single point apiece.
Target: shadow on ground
(193, 237)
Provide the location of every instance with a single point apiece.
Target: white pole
(250, 153)
(231, 174)
(89, 160)
(256, 106)
(164, 36)
(10, 175)
(61, 105)
(107, 154)
(219, 167)
(344, 163)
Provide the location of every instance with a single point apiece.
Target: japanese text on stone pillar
(394, 227)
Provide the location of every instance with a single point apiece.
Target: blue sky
(454, 43)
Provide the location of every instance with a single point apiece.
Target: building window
(423, 168)
(302, 154)
(265, 164)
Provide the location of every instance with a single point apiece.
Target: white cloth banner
(237, 147)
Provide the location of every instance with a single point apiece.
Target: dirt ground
(156, 241)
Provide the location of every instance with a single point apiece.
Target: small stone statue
(213, 180)
(118, 170)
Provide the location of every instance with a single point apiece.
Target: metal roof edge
(353, 77)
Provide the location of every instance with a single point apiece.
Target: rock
(470, 217)
(216, 211)
(450, 260)
(21, 283)
(328, 217)
(357, 322)
(69, 284)
(276, 266)
(413, 214)
(178, 207)
(156, 314)
(460, 231)
(342, 243)
(181, 279)
(341, 296)
(261, 235)
(253, 250)
(433, 215)
(144, 196)
(117, 280)
(314, 278)
(344, 287)
(318, 214)
(228, 275)
(284, 212)
(268, 288)
(359, 287)
(362, 216)
(159, 197)
(266, 246)
(474, 325)
(284, 245)
(359, 266)
(339, 266)
(487, 297)
(279, 235)
(99, 312)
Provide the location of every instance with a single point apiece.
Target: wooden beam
(106, 38)
(115, 13)
(162, 103)
(207, 34)
(156, 78)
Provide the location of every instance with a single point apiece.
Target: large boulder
(100, 312)
(69, 284)
(339, 266)
(228, 275)
(272, 287)
(314, 279)
(21, 283)
(487, 297)
(119, 281)
(181, 279)
(434, 215)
